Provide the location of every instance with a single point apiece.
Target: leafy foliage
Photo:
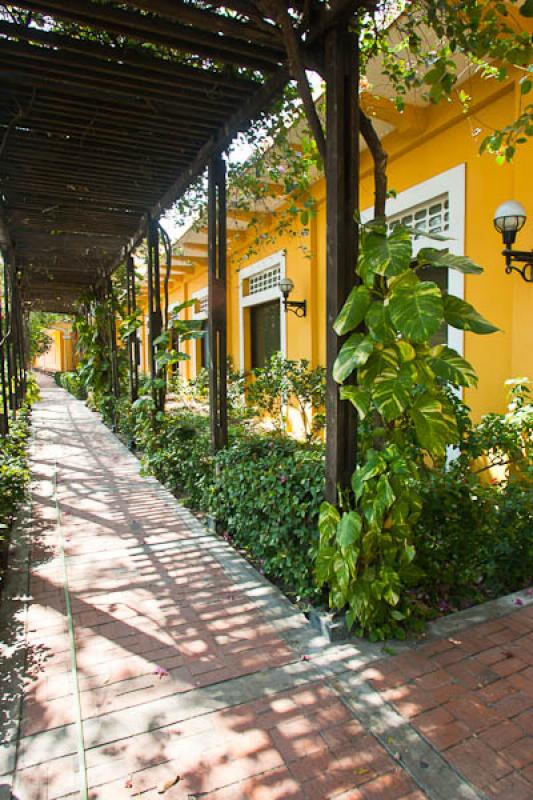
(266, 495)
(366, 555)
(473, 538)
(282, 382)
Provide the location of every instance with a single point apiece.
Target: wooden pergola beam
(149, 28)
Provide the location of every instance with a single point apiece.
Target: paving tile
(181, 672)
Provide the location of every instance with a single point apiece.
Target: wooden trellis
(100, 134)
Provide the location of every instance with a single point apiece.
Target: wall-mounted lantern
(298, 307)
(509, 218)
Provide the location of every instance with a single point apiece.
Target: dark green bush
(473, 541)
(176, 449)
(72, 383)
(266, 495)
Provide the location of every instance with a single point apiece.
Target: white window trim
(453, 183)
(246, 301)
(199, 295)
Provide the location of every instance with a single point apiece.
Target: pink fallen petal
(518, 602)
(129, 783)
(305, 658)
(529, 592)
(161, 672)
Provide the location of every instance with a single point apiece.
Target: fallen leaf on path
(164, 787)
(161, 672)
(362, 771)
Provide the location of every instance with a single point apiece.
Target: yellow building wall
(429, 141)
(53, 359)
(441, 138)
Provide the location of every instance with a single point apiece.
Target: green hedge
(265, 490)
(266, 495)
(473, 541)
(72, 383)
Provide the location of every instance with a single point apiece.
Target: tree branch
(278, 8)
(380, 158)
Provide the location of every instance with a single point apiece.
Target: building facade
(441, 184)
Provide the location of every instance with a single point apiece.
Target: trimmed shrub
(266, 495)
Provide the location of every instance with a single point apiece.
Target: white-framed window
(261, 306)
(430, 217)
(436, 205)
(200, 312)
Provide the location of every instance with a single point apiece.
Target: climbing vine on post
(365, 555)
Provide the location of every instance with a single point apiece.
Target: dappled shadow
(180, 673)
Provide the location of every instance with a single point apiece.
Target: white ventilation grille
(202, 304)
(432, 217)
(267, 279)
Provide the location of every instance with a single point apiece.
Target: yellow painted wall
(428, 141)
(61, 356)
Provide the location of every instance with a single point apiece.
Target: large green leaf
(391, 397)
(462, 315)
(434, 423)
(359, 398)
(417, 311)
(353, 311)
(373, 465)
(354, 353)
(386, 255)
(382, 501)
(349, 529)
(440, 258)
(328, 521)
(379, 324)
(450, 366)
(382, 365)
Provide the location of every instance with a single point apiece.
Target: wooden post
(217, 314)
(115, 385)
(133, 339)
(9, 334)
(342, 173)
(4, 415)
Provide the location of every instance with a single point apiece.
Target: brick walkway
(190, 664)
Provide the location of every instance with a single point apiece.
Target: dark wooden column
(217, 314)
(4, 411)
(133, 338)
(342, 173)
(115, 385)
(154, 307)
(9, 334)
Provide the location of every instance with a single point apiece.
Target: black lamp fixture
(298, 307)
(509, 218)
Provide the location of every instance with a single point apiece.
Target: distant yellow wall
(428, 141)
(61, 357)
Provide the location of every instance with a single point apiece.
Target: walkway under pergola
(139, 653)
(108, 112)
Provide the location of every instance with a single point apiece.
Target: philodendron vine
(398, 384)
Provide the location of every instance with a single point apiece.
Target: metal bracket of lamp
(509, 218)
(298, 307)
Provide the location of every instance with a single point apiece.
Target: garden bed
(472, 539)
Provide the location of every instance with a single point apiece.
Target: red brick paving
(146, 598)
(472, 696)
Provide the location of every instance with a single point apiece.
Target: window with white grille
(202, 304)
(266, 279)
(431, 217)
